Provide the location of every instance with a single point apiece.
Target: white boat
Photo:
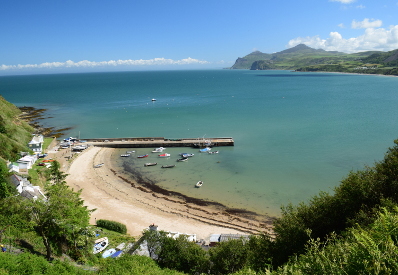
(100, 245)
(153, 99)
(214, 152)
(182, 159)
(199, 184)
(186, 155)
(207, 149)
(108, 253)
(99, 165)
(125, 155)
(150, 164)
(130, 152)
(159, 150)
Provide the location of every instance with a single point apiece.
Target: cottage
(26, 163)
(25, 188)
(36, 144)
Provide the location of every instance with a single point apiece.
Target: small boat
(142, 156)
(99, 165)
(207, 149)
(153, 99)
(182, 159)
(186, 155)
(214, 152)
(125, 155)
(165, 155)
(158, 150)
(130, 152)
(168, 166)
(117, 254)
(100, 245)
(150, 164)
(109, 253)
(199, 184)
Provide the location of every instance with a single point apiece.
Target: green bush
(112, 225)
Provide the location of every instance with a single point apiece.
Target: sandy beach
(115, 197)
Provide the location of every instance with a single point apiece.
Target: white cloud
(341, 25)
(343, 1)
(372, 39)
(366, 23)
(360, 7)
(110, 63)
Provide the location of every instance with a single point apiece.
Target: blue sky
(88, 35)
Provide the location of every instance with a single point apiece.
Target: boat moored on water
(168, 166)
(186, 155)
(150, 164)
(182, 159)
(165, 155)
(142, 156)
(125, 155)
(207, 149)
(158, 150)
(199, 184)
(214, 152)
(130, 152)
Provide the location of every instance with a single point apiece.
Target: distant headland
(306, 59)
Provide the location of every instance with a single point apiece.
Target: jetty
(149, 142)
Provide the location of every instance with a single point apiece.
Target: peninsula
(306, 59)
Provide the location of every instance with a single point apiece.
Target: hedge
(112, 225)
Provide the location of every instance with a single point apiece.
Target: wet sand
(115, 196)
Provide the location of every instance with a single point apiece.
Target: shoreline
(134, 203)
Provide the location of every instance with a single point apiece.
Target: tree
(178, 254)
(182, 255)
(230, 256)
(61, 216)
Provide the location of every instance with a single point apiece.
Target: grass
(47, 142)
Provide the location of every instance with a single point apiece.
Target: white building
(36, 144)
(25, 188)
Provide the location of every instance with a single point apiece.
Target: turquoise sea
(295, 133)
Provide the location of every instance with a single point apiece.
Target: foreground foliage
(370, 250)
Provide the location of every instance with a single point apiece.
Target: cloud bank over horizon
(111, 63)
(374, 38)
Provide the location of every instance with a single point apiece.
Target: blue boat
(207, 149)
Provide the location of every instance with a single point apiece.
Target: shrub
(112, 225)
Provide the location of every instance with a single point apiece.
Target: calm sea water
(295, 133)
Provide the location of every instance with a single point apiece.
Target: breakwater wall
(149, 142)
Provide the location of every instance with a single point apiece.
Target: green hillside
(306, 59)
(15, 133)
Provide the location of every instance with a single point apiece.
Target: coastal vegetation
(352, 230)
(305, 59)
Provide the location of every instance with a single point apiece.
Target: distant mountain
(297, 56)
(306, 59)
